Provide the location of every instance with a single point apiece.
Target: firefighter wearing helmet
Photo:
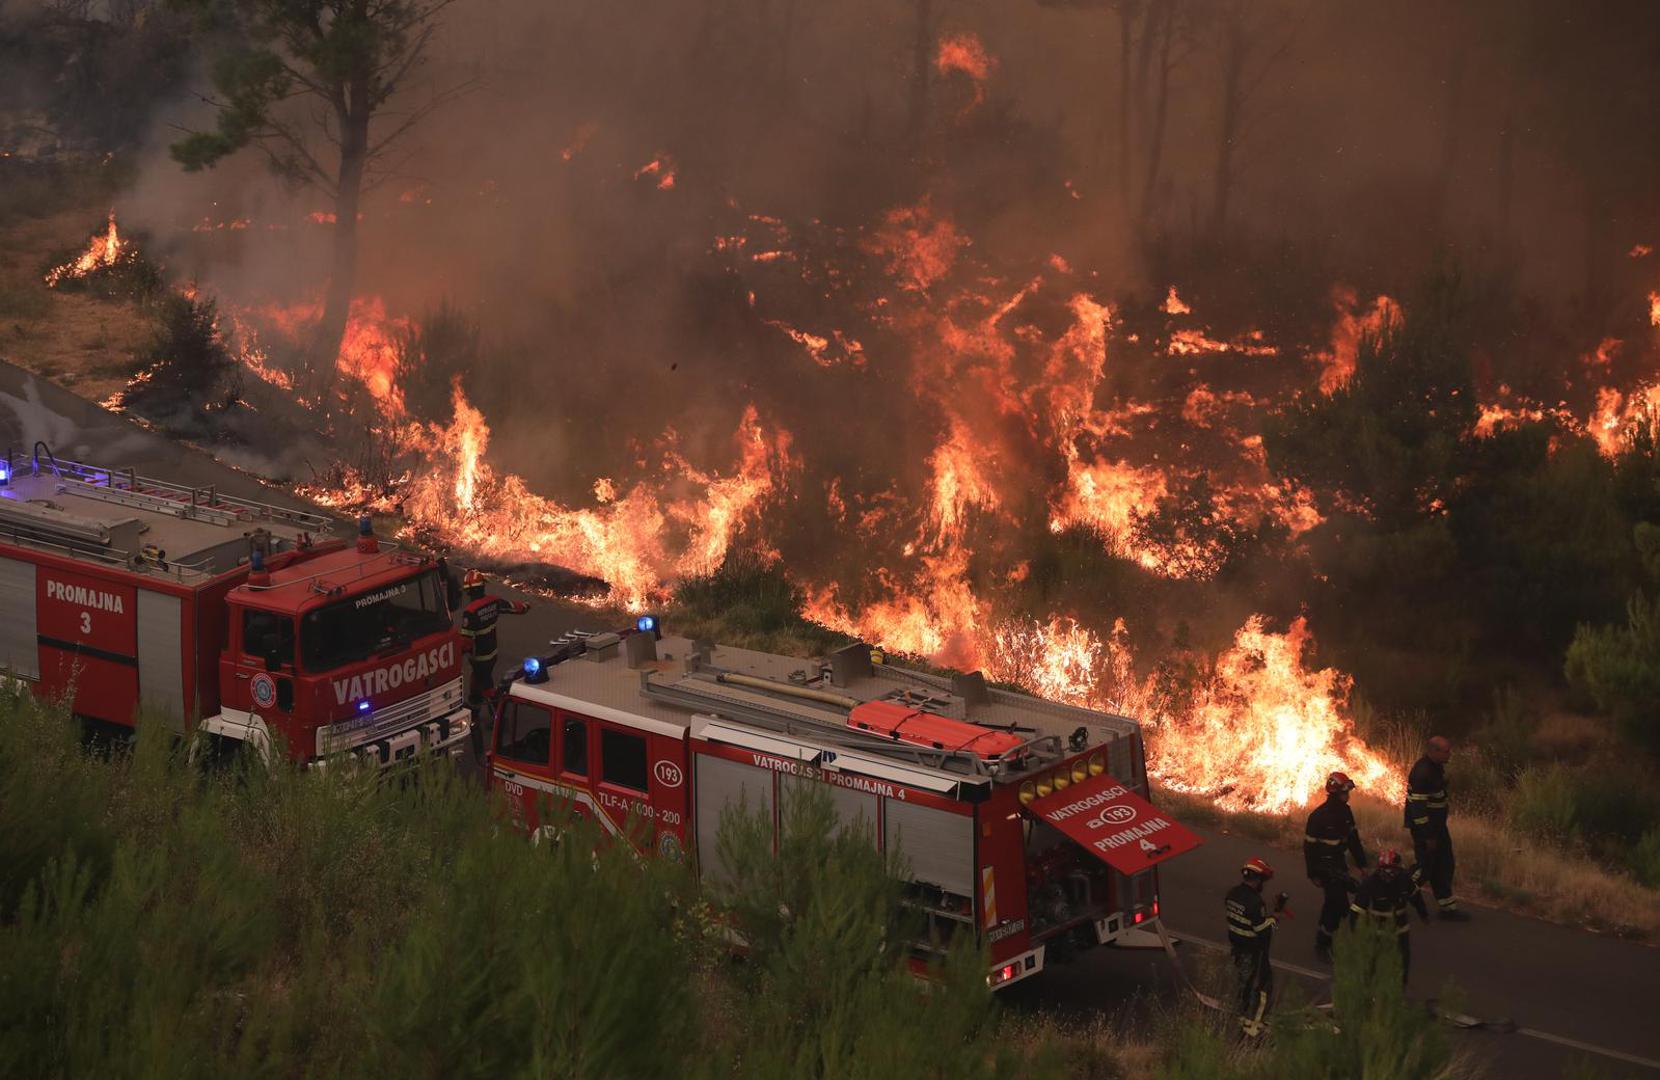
(1384, 896)
(478, 626)
(1251, 935)
(1330, 840)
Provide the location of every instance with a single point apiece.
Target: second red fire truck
(240, 623)
(1024, 822)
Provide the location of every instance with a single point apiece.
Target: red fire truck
(242, 622)
(1022, 821)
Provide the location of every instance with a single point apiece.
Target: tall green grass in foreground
(157, 919)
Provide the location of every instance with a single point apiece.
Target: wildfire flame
(964, 53)
(1262, 731)
(1014, 381)
(102, 251)
(1353, 324)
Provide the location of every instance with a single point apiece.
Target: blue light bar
(363, 706)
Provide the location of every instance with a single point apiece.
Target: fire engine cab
(1022, 821)
(239, 621)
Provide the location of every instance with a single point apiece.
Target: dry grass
(1100, 1047)
(84, 343)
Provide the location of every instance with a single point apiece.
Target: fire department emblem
(668, 846)
(264, 690)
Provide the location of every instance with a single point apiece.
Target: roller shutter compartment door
(722, 784)
(853, 809)
(19, 648)
(160, 655)
(937, 844)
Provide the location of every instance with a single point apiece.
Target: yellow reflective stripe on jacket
(1309, 838)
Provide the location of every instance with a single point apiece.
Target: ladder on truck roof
(164, 497)
(705, 687)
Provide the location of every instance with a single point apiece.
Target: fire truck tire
(232, 735)
(214, 752)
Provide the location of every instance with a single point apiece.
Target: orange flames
(1353, 325)
(1017, 397)
(965, 54)
(102, 252)
(660, 169)
(919, 245)
(1261, 731)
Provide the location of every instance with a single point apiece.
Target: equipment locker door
(161, 655)
(724, 785)
(19, 647)
(88, 633)
(938, 845)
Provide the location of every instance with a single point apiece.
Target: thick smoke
(1359, 141)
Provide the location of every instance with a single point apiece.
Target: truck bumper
(446, 735)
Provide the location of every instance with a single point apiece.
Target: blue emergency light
(363, 706)
(646, 624)
(534, 670)
(5, 474)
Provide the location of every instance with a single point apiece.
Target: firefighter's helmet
(1255, 865)
(1337, 783)
(1389, 859)
(473, 584)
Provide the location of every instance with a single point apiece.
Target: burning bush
(111, 266)
(749, 599)
(437, 354)
(186, 369)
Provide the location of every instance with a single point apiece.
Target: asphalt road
(1562, 986)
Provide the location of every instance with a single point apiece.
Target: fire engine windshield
(361, 626)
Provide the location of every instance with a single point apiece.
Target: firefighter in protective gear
(1426, 819)
(1329, 840)
(1384, 895)
(1251, 935)
(478, 626)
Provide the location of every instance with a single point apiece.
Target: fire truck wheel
(213, 753)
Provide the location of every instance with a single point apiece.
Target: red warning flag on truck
(1114, 824)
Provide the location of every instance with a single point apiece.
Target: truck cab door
(521, 760)
(263, 668)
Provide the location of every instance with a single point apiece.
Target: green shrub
(749, 601)
(1543, 803)
(1615, 802)
(1644, 859)
(1506, 741)
(163, 920)
(1618, 666)
(186, 365)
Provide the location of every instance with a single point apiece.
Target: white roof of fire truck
(799, 708)
(138, 523)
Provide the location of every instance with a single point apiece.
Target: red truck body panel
(625, 741)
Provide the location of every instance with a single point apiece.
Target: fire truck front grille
(435, 703)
